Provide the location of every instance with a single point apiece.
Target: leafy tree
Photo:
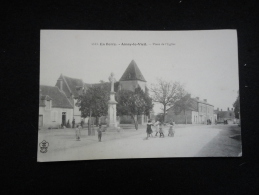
(133, 103)
(166, 93)
(183, 105)
(236, 106)
(93, 103)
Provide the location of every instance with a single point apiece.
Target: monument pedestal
(112, 121)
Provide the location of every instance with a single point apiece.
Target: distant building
(198, 113)
(225, 115)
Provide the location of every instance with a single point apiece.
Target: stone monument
(112, 119)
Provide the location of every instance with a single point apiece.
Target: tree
(236, 106)
(183, 105)
(166, 93)
(93, 103)
(133, 103)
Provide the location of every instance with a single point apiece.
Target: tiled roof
(74, 85)
(132, 73)
(58, 98)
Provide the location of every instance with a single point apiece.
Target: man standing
(73, 123)
(99, 130)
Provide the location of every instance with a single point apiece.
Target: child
(161, 131)
(171, 129)
(78, 132)
(157, 127)
(149, 129)
(99, 130)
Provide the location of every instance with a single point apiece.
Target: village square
(115, 119)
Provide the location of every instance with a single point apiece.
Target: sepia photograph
(138, 94)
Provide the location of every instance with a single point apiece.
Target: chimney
(205, 100)
(228, 109)
(60, 84)
(221, 109)
(197, 98)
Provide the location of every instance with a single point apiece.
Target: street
(189, 141)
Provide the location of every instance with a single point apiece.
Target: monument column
(112, 122)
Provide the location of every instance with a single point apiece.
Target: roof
(58, 98)
(132, 73)
(200, 101)
(71, 85)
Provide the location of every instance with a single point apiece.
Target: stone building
(225, 115)
(198, 112)
(55, 109)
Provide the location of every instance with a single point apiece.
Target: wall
(53, 117)
(77, 112)
(205, 112)
(179, 118)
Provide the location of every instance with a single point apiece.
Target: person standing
(99, 130)
(157, 127)
(170, 131)
(73, 123)
(149, 129)
(82, 123)
(78, 132)
(161, 130)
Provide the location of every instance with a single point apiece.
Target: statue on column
(112, 80)
(112, 122)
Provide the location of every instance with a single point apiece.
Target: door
(40, 120)
(63, 118)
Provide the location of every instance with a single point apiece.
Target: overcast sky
(205, 61)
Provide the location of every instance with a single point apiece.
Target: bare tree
(166, 93)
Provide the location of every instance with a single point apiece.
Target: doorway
(64, 118)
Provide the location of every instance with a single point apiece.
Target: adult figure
(73, 123)
(82, 123)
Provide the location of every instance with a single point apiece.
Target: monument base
(113, 129)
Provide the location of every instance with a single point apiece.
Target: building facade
(228, 115)
(55, 109)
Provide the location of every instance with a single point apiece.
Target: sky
(206, 61)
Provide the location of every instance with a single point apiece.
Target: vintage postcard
(138, 94)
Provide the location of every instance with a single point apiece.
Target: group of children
(159, 128)
(78, 132)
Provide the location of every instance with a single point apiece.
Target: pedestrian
(149, 129)
(157, 127)
(99, 130)
(78, 132)
(161, 130)
(82, 123)
(73, 123)
(171, 129)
